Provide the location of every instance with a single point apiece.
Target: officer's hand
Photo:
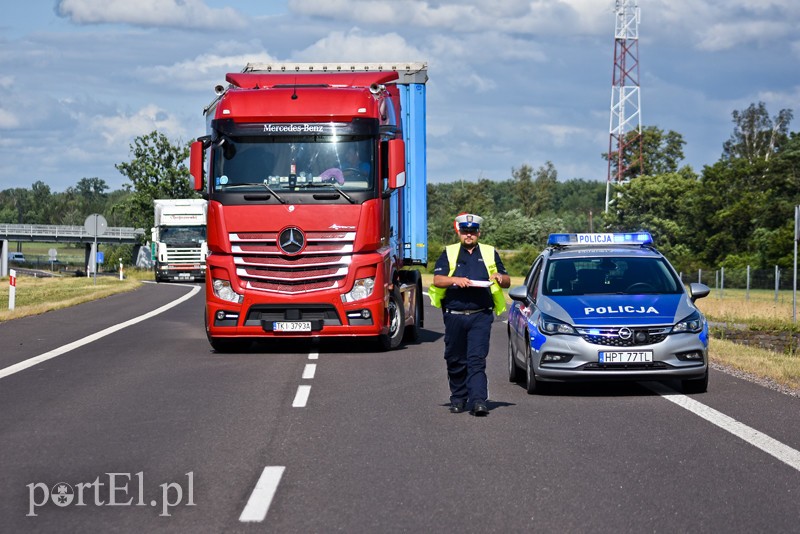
(462, 282)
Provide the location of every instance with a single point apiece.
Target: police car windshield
(609, 275)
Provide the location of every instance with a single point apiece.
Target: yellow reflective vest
(487, 253)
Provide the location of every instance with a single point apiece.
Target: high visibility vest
(487, 253)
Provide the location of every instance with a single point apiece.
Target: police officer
(466, 284)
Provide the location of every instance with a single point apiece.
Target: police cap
(469, 221)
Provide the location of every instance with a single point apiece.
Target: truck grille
(183, 255)
(611, 336)
(321, 264)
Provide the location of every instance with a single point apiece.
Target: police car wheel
(514, 374)
(697, 385)
(532, 384)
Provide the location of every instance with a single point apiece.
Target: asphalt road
(149, 430)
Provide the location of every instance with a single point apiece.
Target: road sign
(100, 257)
(95, 224)
(53, 254)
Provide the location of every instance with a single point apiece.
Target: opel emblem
(625, 333)
(291, 241)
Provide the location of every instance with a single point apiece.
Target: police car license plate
(291, 326)
(625, 356)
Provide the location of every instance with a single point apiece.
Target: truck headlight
(691, 325)
(362, 288)
(224, 291)
(550, 325)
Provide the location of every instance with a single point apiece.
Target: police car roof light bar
(626, 238)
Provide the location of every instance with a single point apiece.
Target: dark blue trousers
(466, 345)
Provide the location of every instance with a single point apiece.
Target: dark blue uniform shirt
(470, 266)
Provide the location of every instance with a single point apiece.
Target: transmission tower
(624, 147)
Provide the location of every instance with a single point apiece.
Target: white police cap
(469, 221)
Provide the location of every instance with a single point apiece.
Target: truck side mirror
(397, 163)
(196, 164)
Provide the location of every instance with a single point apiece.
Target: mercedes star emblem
(291, 240)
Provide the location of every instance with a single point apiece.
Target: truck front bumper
(297, 319)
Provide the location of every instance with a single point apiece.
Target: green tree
(157, 170)
(544, 189)
(755, 135)
(661, 152)
(662, 205)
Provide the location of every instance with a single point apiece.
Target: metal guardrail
(75, 234)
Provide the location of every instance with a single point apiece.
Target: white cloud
(724, 36)
(172, 13)
(122, 128)
(357, 46)
(522, 16)
(6, 82)
(203, 71)
(8, 120)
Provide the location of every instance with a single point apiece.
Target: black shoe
(479, 409)
(458, 407)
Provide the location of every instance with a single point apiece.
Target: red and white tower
(624, 144)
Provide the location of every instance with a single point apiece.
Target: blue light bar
(628, 238)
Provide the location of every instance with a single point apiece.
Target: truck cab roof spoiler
(408, 72)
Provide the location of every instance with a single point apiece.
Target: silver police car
(606, 306)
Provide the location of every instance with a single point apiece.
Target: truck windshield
(182, 235)
(294, 163)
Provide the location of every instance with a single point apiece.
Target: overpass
(52, 233)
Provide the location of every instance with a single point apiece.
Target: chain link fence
(779, 282)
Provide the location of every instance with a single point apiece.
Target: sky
(511, 82)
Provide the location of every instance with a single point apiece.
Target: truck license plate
(291, 326)
(626, 356)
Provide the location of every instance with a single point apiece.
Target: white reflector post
(12, 289)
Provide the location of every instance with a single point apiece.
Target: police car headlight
(362, 288)
(224, 291)
(691, 325)
(550, 325)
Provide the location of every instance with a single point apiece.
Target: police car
(606, 306)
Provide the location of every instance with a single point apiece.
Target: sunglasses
(466, 231)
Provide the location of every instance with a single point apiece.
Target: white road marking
(309, 371)
(258, 504)
(782, 452)
(313, 356)
(301, 397)
(21, 366)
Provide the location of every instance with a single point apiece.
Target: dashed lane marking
(301, 397)
(260, 499)
(309, 371)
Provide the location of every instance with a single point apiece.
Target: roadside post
(95, 225)
(120, 268)
(12, 289)
(794, 278)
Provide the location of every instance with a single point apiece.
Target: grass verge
(35, 296)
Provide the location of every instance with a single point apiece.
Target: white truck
(178, 245)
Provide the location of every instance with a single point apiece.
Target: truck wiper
(258, 184)
(330, 184)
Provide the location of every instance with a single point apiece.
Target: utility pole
(625, 128)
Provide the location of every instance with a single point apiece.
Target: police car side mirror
(519, 293)
(698, 291)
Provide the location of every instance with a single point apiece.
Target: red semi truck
(317, 209)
